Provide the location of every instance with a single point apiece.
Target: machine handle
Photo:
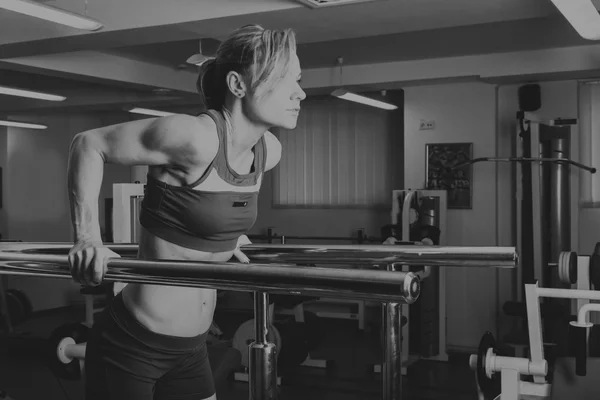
(580, 335)
(527, 159)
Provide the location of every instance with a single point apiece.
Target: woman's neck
(242, 134)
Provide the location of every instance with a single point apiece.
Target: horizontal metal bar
(568, 293)
(332, 238)
(433, 256)
(365, 239)
(347, 238)
(365, 284)
(528, 159)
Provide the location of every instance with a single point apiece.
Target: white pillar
(138, 173)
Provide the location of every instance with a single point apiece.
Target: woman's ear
(236, 84)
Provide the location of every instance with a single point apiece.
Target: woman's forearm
(84, 179)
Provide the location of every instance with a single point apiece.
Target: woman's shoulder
(197, 133)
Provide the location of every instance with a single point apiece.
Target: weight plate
(79, 333)
(245, 335)
(16, 309)
(295, 351)
(573, 267)
(563, 267)
(487, 385)
(25, 302)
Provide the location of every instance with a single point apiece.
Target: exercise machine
(419, 216)
(542, 210)
(545, 377)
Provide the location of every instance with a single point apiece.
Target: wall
(589, 230)
(315, 222)
(336, 221)
(462, 113)
(36, 201)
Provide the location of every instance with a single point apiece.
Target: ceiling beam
(109, 67)
(92, 99)
(567, 61)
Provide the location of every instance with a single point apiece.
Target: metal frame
(50, 260)
(442, 195)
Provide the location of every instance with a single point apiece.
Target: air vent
(329, 3)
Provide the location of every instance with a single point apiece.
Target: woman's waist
(179, 331)
(157, 248)
(218, 236)
(171, 310)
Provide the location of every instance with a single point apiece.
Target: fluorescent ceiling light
(202, 56)
(52, 14)
(30, 94)
(329, 3)
(21, 125)
(198, 59)
(147, 111)
(343, 94)
(583, 15)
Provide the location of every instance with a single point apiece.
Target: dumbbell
(66, 350)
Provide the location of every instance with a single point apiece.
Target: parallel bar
(390, 286)
(261, 313)
(340, 238)
(371, 285)
(262, 354)
(391, 340)
(440, 256)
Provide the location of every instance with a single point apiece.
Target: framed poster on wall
(447, 168)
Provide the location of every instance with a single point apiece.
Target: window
(341, 155)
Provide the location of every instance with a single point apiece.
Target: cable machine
(543, 210)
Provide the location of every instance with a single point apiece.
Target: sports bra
(211, 213)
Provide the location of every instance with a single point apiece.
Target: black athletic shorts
(126, 361)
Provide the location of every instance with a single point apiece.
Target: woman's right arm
(180, 141)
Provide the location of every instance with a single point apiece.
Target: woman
(201, 196)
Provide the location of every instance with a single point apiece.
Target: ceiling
(144, 43)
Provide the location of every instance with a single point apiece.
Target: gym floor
(25, 376)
